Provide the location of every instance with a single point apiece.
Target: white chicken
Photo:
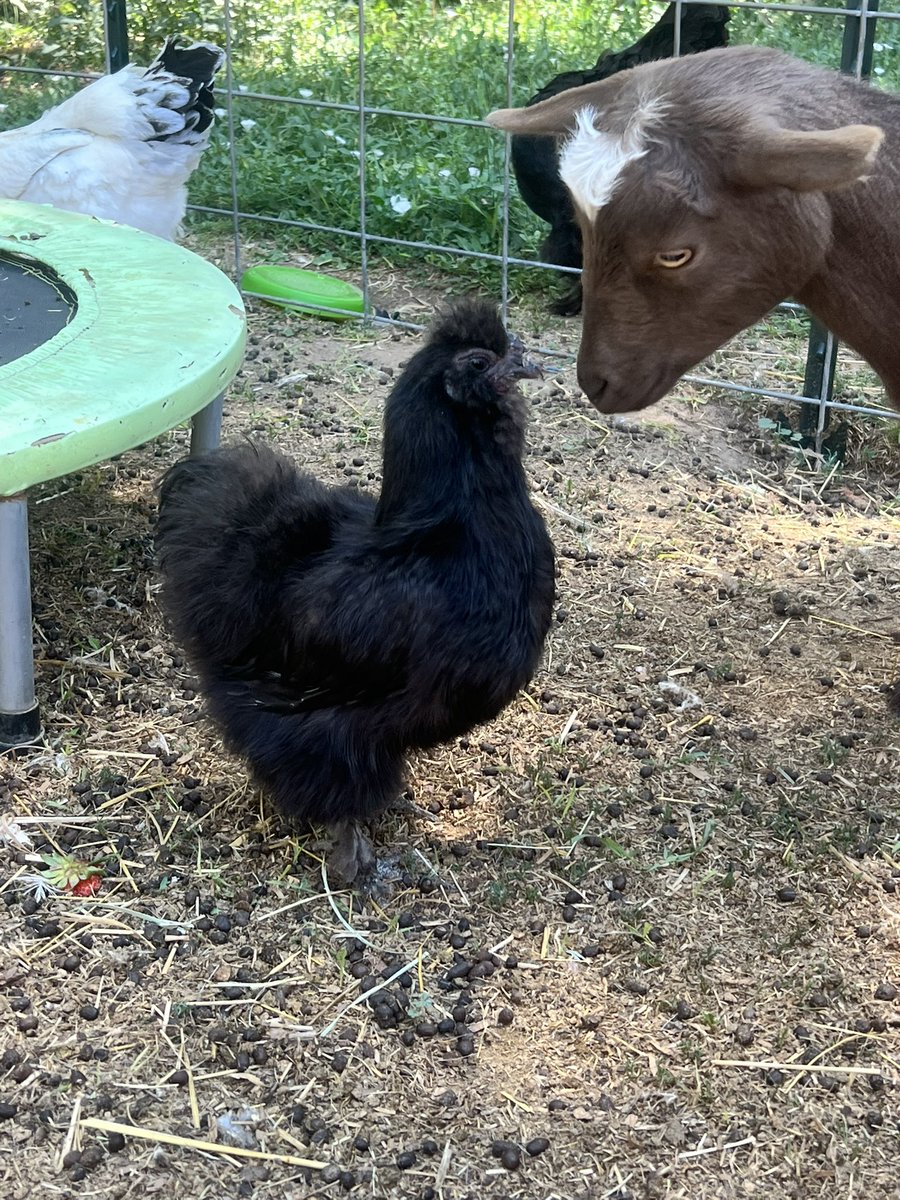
(124, 146)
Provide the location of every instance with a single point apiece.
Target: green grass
(302, 163)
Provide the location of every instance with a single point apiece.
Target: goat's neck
(857, 294)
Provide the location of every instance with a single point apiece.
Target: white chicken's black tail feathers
(181, 82)
(200, 61)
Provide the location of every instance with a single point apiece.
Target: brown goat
(712, 187)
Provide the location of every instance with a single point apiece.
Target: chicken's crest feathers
(470, 323)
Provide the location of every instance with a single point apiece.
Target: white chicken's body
(123, 147)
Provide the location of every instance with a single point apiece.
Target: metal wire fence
(859, 21)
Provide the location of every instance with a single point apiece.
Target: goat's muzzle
(635, 390)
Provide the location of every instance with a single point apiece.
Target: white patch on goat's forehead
(592, 161)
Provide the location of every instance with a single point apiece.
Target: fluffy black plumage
(333, 631)
(535, 160)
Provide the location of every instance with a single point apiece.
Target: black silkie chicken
(332, 632)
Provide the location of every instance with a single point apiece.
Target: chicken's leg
(352, 856)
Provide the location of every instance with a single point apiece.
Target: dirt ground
(647, 947)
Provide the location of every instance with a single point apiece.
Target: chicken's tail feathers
(169, 102)
(215, 548)
(178, 478)
(231, 526)
(200, 61)
(178, 90)
(220, 490)
(194, 67)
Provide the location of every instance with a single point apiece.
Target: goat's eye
(673, 258)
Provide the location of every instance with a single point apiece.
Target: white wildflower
(305, 93)
(444, 173)
(474, 172)
(247, 123)
(220, 112)
(340, 141)
(378, 154)
(400, 204)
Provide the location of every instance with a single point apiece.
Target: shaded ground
(654, 927)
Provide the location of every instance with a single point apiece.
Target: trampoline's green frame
(157, 336)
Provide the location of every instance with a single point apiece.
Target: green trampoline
(108, 337)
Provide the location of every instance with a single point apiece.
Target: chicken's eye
(673, 258)
(478, 362)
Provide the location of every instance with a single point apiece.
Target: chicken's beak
(517, 365)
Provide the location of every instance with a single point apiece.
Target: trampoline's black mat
(34, 306)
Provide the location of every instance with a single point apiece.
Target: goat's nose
(591, 382)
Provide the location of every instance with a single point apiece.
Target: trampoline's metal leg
(206, 427)
(20, 720)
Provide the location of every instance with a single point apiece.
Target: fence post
(821, 356)
(115, 25)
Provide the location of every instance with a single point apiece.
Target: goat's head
(699, 212)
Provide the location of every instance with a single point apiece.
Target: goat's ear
(556, 115)
(820, 160)
(532, 120)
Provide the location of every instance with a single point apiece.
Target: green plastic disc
(307, 291)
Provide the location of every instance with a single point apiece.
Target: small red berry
(88, 886)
